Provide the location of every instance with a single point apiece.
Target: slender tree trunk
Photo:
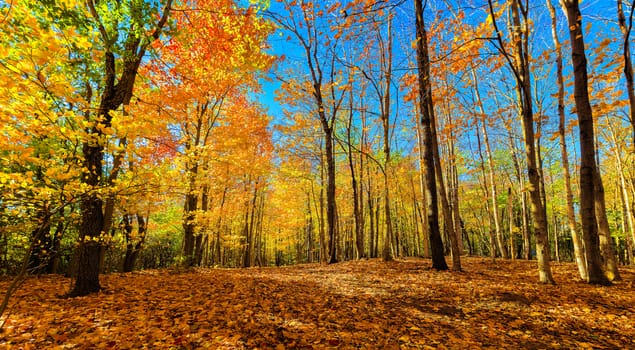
(626, 27)
(578, 248)
(587, 145)
(492, 233)
(524, 212)
(427, 122)
(454, 193)
(510, 215)
(387, 254)
(330, 194)
(624, 195)
(490, 167)
(357, 215)
(309, 229)
(520, 68)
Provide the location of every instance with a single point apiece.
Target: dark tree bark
(427, 122)
(133, 247)
(587, 145)
(357, 210)
(117, 91)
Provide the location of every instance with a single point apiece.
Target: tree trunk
(628, 65)
(454, 196)
(523, 200)
(422, 187)
(520, 68)
(133, 247)
(330, 194)
(448, 222)
(604, 231)
(386, 57)
(189, 216)
(357, 214)
(587, 145)
(427, 122)
(487, 192)
(629, 223)
(54, 260)
(490, 167)
(578, 248)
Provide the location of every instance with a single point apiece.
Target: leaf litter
(352, 305)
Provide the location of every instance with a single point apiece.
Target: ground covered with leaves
(352, 305)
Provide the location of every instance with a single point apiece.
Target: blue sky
(600, 14)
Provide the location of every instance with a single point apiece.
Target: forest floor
(353, 305)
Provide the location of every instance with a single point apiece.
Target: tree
(125, 45)
(519, 64)
(588, 170)
(577, 243)
(426, 108)
(214, 41)
(626, 27)
(301, 21)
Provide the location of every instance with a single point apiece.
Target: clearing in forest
(352, 305)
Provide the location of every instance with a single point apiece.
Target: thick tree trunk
(427, 122)
(189, 217)
(587, 145)
(604, 231)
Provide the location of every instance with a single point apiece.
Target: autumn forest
(171, 138)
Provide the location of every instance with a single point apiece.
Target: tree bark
(133, 247)
(587, 145)
(357, 214)
(423, 210)
(604, 231)
(386, 55)
(427, 122)
(578, 248)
